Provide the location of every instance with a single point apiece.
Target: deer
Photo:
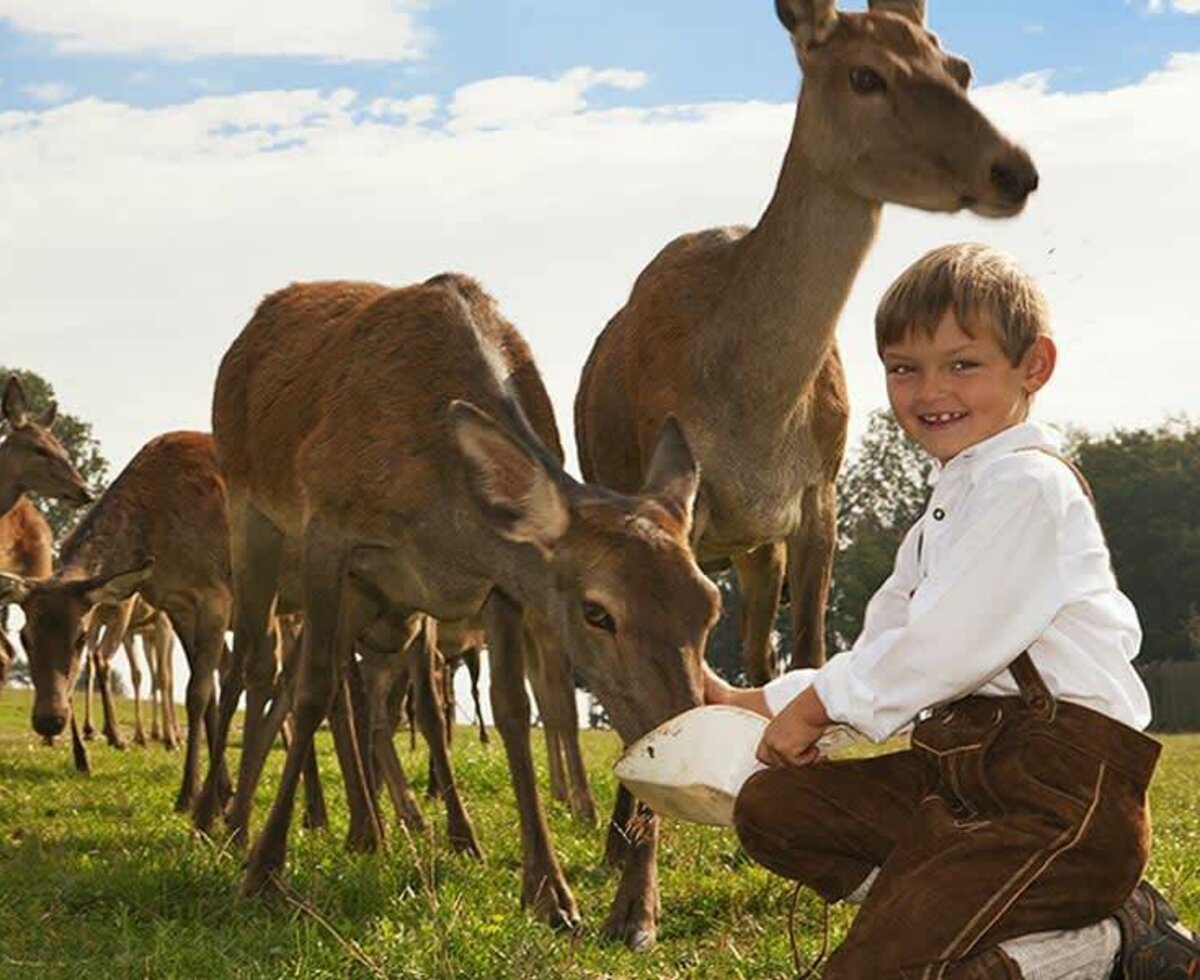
(32, 460)
(400, 437)
(123, 624)
(732, 330)
(158, 531)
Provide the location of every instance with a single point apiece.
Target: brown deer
(732, 329)
(124, 624)
(31, 460)
(160, 531)
(403, 437)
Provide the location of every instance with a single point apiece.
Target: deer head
(54, 632)
(884, 111)
(31, 459)
(617, 581)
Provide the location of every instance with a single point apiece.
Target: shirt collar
(1023, 435)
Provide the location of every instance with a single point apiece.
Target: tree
(76, 436)
(882, 491)
(1147, 488)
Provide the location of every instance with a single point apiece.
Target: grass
(99, 877)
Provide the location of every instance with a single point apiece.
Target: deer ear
(914, 10)
(673, 472)
(48, 416)
(14, 402)
(116, 588)
(13, 588)
(519, 496)
(808, 21)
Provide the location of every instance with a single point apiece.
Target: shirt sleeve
(995, 588)
(887, 610)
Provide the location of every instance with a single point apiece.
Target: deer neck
(10, 483)
(791, 276)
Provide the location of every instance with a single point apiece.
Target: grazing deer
(160, 531)
(31, 460)
(403, 438)
(732, 329)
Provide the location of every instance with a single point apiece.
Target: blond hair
(985, 288)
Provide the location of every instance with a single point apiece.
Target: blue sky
(165, 166)
(692, 51)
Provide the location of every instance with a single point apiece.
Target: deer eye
(864, 80)
(596, 616)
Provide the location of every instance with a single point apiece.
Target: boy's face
(953, 390)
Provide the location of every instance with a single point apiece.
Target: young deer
(31, 460)
(159, 531)
(402, 435)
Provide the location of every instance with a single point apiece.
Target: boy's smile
(953, 390)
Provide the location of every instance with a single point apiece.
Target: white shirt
(1007, 557)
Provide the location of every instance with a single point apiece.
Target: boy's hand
(791, 737)
(716, 691)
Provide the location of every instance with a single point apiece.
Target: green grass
(99, 878)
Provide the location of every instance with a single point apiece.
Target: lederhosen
(1006, 816)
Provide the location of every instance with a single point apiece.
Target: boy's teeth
(943, 417)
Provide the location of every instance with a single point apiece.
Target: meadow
(99, 878)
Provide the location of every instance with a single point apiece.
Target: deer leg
(78, 748)
(335, 613)
(633, 918)
(135, 681)
(810, 569)
(89, 732)
(256, 550)
(366, 829)
(383, 676)
(6, 655)
(112, 731)
(202, 641)
(472, 659)
(157, 734)
(554, 687)
(616, 845)
(429, 717)
(543, 886)
(163, 641)
(760, 573)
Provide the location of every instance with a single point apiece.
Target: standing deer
(159, 531)
(402, 437)
(31, 460)
(732, 329)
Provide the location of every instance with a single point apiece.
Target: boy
(1021, 805)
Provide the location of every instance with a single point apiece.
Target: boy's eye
(899, 369)
(964, 365)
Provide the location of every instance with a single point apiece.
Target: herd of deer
(385, 465)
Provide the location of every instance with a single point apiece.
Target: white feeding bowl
(693, 766)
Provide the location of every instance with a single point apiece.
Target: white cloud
(1184, 6)
(136, 242)
(376, 30)
(518, 100)
(48, 93)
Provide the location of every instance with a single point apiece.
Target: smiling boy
(1009, 840)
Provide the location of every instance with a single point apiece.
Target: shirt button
(938, 514)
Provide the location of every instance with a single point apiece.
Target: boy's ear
(1039, 363)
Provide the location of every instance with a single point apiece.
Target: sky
(163, 166)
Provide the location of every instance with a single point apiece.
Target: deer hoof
(633, 921)
(551, 901)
